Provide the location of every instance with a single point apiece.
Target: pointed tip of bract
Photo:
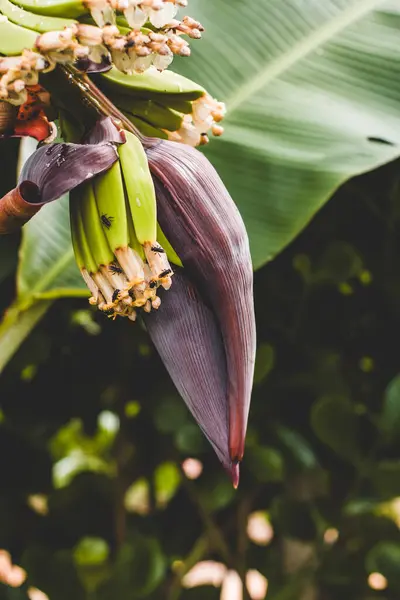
(235, 474)
(193, 203)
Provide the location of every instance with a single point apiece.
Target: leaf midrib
(278, 66)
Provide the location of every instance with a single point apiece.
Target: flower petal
(201, 221)
(186, 335)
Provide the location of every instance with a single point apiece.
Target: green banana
(139, 188)
(83, 254)
(177, 104)
(110, 200)
(93, 227)
(154, 102)
(152, 84)
(141, 199)
(171, 254)
(116, 238)
(155, 114)
(55, 8)
(114, 216)
(95, 259)
(14, 39)
(71, 129)
(133, 241)
(145, 127)
(29, 20)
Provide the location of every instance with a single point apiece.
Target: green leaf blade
(47, 265)
(311, 85)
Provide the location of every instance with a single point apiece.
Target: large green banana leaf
(309, 86)
(46, 271)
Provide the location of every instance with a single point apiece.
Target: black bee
(114, 269)
(164, 273)
(115, 295)
(106, 220)
(158, 249)
(153, 284)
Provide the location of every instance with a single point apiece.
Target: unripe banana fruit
(175, 107)
(119, 247)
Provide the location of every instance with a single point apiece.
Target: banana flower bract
(205, 333)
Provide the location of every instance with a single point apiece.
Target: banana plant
(127, 156)
(297, 127)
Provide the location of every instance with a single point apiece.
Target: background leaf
(47, 267)
(16, 326)
(335, 423)
(385, 558)
(54, 573)
(46, 271)
(386, 478)
(390, 420)
(309, 86)
(265, 359)
(9, 254)
(138, 570)
(266, 463)
(8, 243)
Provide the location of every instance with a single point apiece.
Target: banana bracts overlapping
(210, 344)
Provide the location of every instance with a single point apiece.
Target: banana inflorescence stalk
(119, 247)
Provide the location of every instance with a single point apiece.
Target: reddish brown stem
(17, 207)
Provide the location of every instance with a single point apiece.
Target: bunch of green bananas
(159, 103)
(121, 251)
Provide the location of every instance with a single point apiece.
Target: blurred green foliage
(94, 503)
